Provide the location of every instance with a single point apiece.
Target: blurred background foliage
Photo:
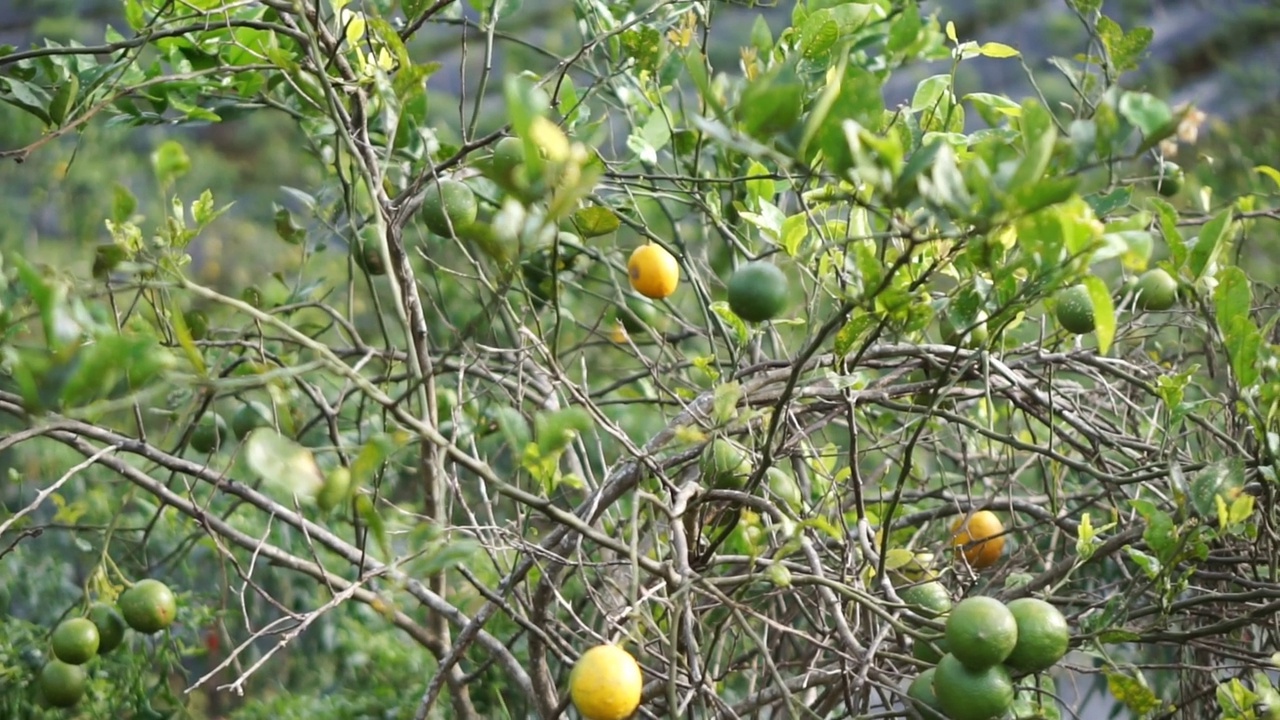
(1219, 55)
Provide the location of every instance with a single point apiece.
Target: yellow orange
(653, 271)
(979, 537)
(605, 683)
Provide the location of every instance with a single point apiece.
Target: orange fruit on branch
(605, 683)
(654, 272)
(979, 537)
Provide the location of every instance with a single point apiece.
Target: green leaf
(853, 331)
(107, 257)
(818, 35)
(1149, 563)
(794, 231)
(526, 101)
(1269, 172)
(993, 108)
(721, 309)
(449, 555)
(1104, 312)
(170, 162)
(288, 230)
(1220, 479)
(25, 96)
(760, 186)
(282, 464)
(63, 100)
(1233, 299)
(1104, 205)
(859, 100)
(1241, 509)
(595, 221)
(372, 520)
(555, 430)
(1150, 115)
(772, 104)
(905, 29)
(1213, 239)
(1038, 138)
(1124, 49)
(1045, 192)
(725, 403)
(187, 342)
(123, 203)
(929, 92)
(643, 44)
(56, 319)
(514, 428)
(1169, 229)
(375, 451)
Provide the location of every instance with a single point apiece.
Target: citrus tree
(669, 335)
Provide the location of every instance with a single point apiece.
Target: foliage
(465, 473)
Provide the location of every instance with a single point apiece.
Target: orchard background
(200, 196)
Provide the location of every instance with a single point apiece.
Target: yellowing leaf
(898, 557)
(1241, 509)
(997, 50)
(951, 32)
(1269, 172)
(354, 30)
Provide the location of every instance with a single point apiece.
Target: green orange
(1169, 179)
(110, 626)
(251, 416)
(929, 599)
(211, 430)
(757, 291)
(926, 706)
(75, 641)
(448, 207)
(149, 606)
(965, 693)
(1043, 635)
(1156, 290)
(981, 632)
(62, 684)
(1075, 310)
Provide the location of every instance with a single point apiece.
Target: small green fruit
(758, 291)
(1156, 290)
(449, 207)
(251, 416)
(110, 626)
(149, 606)
(1170, 179)
(1075, 310)
(210, 431)
(62, 684)
(75, 641)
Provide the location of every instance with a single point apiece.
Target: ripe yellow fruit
(605, 683)
(653, 271)
(970, 535)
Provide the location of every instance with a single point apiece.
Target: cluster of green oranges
(212, 428)
(1153, 291)
(985, 644)
(148, 607)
